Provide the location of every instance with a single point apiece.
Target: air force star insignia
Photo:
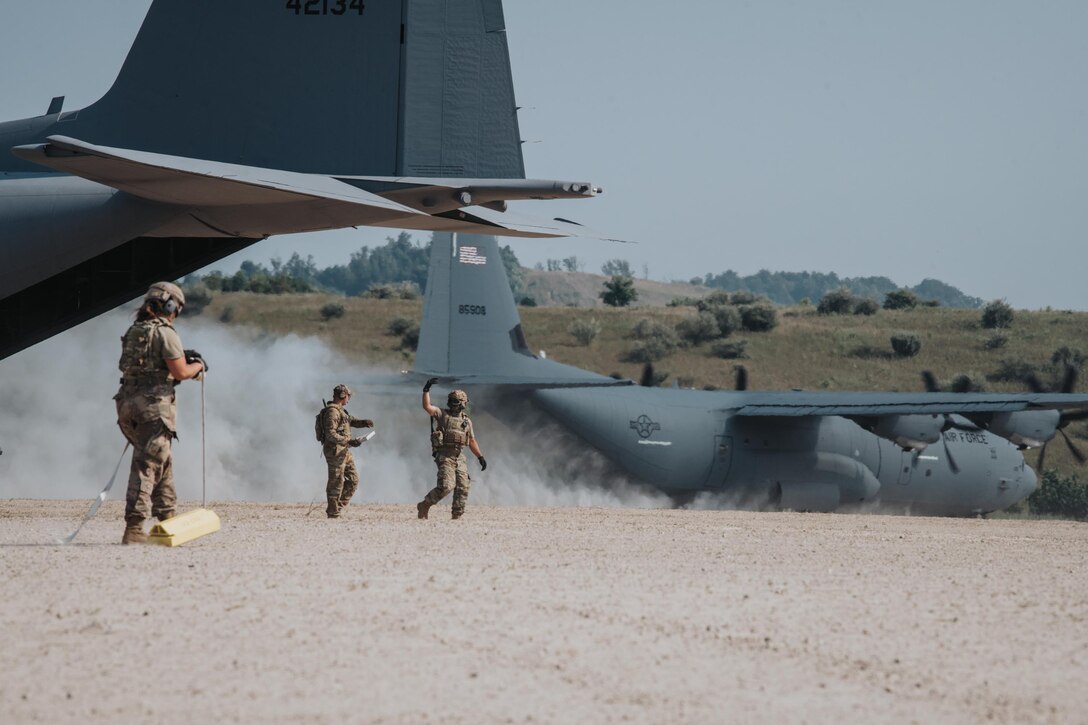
(644, 426)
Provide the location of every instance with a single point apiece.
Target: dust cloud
(59, 436)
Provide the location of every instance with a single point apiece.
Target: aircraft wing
(196, 182)
(799, 404)
(523, 382)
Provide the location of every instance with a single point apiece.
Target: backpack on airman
(319, 423)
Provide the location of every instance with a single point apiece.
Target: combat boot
(422, 508)
(134, 534)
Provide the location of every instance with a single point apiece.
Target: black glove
(483, 463)
(192, 356)
(355, 442)
(368, 423)
(427, 387)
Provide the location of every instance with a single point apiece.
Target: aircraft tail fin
(391, 88)
(471, 332)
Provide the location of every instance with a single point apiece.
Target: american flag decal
(469, 255)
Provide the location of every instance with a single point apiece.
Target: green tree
(619, 292)
(997, 315)
(900, 299)
(836, 302)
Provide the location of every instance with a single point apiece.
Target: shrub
(227, 315)
(647, 328)
(728, 319)
(744, 297)
(331, 311)
(996, 341)
(904, 345)
(997, 315)
(410, 339)
(963, 383)
(731, 350)
(866, 306)
(900, 299)
(1013, 371)
(527, 302)
(649, 350)
(643, 328)
(682, 302)
(1059, 496)
(399, 326)
(619, 292)
(836, 302)
(759, 318)
(699, 329)
(398, 291)
(585, 331)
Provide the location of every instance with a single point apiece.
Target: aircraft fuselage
(686, 442)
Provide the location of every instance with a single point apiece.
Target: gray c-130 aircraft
(925, 453)
(233, 121)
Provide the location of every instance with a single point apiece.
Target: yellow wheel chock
(184, 527)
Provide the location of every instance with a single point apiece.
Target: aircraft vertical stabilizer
(471, 329)
(391, 88)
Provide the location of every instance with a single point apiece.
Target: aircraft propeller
(1069, 381)
(960, 384)
(647, 379)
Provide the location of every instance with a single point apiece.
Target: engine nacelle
(821, 481)
(1025, 428)
(909, 432)
(795, 496)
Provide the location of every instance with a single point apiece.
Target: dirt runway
(543, 615)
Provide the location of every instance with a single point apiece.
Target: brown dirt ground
(543, 615)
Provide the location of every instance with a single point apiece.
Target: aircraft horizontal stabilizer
(508, 224)
(196, 182)
(284, 202)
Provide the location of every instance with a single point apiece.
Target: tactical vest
(343, 428)
(142, 372)
(451, 436)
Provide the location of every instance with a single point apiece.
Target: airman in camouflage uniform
(152, 364)
(336, 441)
(451, 431)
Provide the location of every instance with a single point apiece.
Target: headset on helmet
(168, 294)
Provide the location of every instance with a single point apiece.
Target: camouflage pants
(452, 475)
(151, 477)
(343, 479)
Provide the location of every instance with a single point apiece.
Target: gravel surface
(543, 615)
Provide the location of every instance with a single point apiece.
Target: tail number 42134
(326, 7)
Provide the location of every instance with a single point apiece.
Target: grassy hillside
(806, 350)
(582, 289)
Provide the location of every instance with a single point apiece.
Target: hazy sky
(912, 140)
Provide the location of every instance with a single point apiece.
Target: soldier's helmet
(168, 294)
(457, 399)
(341, 391)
